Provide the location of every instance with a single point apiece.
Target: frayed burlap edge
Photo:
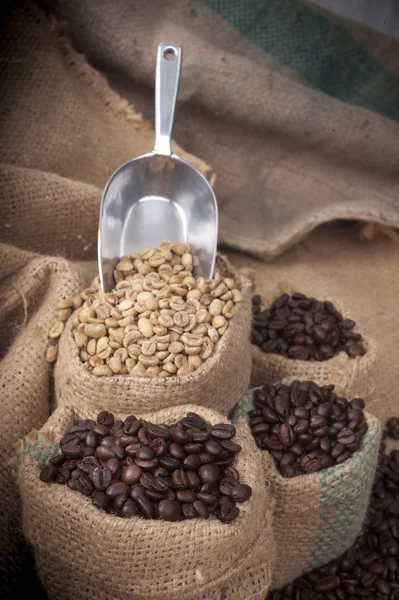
(242, 543)
(218, 384)
(351, 376)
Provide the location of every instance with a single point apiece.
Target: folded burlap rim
(347, 367)
(38, 446)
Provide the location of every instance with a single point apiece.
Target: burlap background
(318, 516)
(29, 287)
(136, 558)
(218, 384)
(351, 376)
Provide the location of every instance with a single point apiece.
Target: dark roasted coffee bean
(310, 463)
(228, 512)
(57, 460)
(101, 500)
(104, 453)
(119, 501)
(209, 473)
(226, 485)
(192, 462)
(146, 507)
(101, 477)
(327, 584)
(48, 473)
(170, 510)
(201, 509)
(109, 440)
(145, 453)
(168, 462)
(176, 451)
(206, 458)
(101, 430)
(143, 437)
(194, 481)
(201, 436)
(131, 428)
(186, 496)
(208, 499)
(147, 465)
(213, 447)
(231, 473)
(286, 435)
(159, 446)
(132, 449)
(189, 511)
(193, 448)
(72, 450)
(180, 479)
(105, 418)
(131, 474)
(113, 465)
(117, 488)
(129, 509)
(346, 436)
(240, 492)
(223, 431)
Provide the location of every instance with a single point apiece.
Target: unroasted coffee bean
(315, 428)
(304, 329)
(133, 467)
(370, 568)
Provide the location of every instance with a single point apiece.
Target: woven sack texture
(351, 376)
(218, 384)
(317, 517)
(137, 558)
(64, 132)
(305, 153)
(29, 288)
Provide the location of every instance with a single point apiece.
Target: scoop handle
(166, 89)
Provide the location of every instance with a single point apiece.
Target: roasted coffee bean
(72, 450)
(240, 492)
(131, 474)
(209, 473)
(47, 473)
(201, 508)
(213, 447)
(101, 500)
(105, 418)
(168, 462)
(223, 431)
(286, 435)
(170, 510)
(101, 477)
(134, 467)
(228, 511)
(226, 486)
(119, 487)
(176, 451)
(186, 496)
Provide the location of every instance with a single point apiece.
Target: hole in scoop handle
(166, 89)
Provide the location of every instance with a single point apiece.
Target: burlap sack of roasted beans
(318, 516)
(83, 552)
(218, 383)
(29, 287)
(351, 376)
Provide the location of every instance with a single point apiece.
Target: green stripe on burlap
(322, 53)
(40, 451)
(345, 492)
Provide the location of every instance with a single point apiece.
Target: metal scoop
(158, 196)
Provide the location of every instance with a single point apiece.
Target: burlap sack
(317, 517)
(351, 376)
(29, 288)
(218, 384)
(84, 553)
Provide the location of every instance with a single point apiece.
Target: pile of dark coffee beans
(303, 328)
(306, 427)
(392, 429)
(370, 569)
(134, 467)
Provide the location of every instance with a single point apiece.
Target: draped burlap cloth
(317, 517)
(29, 288)
(352, 377)
(218, 384)
(82, 552)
